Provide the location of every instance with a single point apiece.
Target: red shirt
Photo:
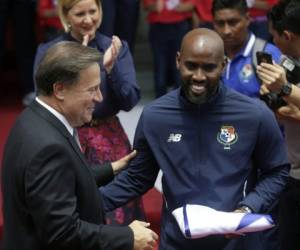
(45, 5)
(203, 9)
(253, 12)
(166, 16)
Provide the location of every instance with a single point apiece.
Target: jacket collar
(57, 124)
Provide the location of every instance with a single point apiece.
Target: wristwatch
(245, 209)
(286, 89)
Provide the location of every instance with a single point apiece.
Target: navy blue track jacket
(209, 155)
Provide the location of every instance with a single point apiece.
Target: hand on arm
(144, 238)
(119, 165)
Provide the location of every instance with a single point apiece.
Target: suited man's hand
(119, 165)
(144, 238)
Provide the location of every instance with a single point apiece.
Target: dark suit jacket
(51, 198)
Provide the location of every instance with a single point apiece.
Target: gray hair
(63, 63)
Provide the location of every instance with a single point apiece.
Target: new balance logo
(174, 137)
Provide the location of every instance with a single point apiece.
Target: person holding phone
(231, 21)
(263, 57)
(284, 22)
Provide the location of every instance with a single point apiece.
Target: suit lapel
(52, 119)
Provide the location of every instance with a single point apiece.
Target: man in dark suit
(51, 197)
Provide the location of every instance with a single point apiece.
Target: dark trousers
(120, 17)
(22, 14)
(165, 40)
(289, 216)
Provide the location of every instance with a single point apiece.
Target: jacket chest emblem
(227, 136)
(174, 137)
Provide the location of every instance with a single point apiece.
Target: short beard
(201, 99)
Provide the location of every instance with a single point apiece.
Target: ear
(59, 90)
(177, 59)
(225, 61)
(248, 20)
(288, 35)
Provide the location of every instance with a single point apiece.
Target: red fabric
(203, 9)
(253, 12)
(46, 5)
(153, 201)
(107, 142)
(9, 112)
(166, 16)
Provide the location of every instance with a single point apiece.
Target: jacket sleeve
(50, 193)
(122, 80)
(270, 156)
(103, 174)
(134, 181)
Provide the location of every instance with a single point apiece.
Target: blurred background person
(104, 138)
(22, 14)
(231, 21)
(48, 19)
(169, 21)
(203, 16)
(120, 18)
(258, 15)
(284, 20)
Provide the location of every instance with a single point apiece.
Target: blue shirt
(239, 72)
(119, 89)
(208, 155)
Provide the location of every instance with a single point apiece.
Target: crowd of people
(226, 136)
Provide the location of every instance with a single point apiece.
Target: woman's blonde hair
(64, 6)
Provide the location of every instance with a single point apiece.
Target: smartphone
(263, 57)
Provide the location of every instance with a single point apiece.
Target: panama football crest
(246, 73)
(227, 136)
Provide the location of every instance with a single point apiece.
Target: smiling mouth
(198, 89)
(88, 28)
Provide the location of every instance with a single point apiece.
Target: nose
(227, 29)
(98, 96)
(88, 19)
(199, 75)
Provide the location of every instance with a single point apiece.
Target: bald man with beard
(209, 141)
